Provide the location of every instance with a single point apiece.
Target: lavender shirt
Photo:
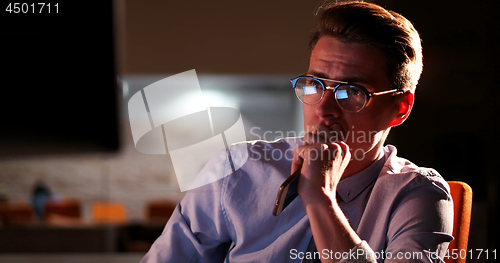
(397, 207)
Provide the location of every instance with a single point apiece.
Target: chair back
(65, 207)
(109, 212)
(14, 212)
(159, 211)
(461, 193)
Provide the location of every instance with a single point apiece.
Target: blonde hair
(373, 25)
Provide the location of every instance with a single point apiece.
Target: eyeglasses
(350, 97)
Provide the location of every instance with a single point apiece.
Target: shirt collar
(352, 186)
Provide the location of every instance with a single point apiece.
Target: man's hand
(322, 164)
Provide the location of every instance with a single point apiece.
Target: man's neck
(356, 165)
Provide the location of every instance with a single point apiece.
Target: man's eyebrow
(351, 79)
(355, 79)
(317, 74)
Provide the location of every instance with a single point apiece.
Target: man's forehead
(346, 61)
(352, 78)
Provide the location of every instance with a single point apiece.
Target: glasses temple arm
(399, 91)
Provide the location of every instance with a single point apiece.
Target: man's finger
(313, 138)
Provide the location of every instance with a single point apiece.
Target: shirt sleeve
(421, 223)
(363, 253)
(196, 231)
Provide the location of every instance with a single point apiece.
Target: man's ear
(404, 109)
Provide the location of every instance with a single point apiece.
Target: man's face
(355, 63)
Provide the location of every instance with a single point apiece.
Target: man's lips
(331, 133)
(322, 128)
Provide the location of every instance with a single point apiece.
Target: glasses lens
(350, 98)
(308, 90)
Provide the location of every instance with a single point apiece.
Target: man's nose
(328, 106)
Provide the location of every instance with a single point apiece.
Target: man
(355, 194)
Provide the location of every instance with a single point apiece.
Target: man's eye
(354, 92)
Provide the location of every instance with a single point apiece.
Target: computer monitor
(59, 90)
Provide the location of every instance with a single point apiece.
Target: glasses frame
(325, 87)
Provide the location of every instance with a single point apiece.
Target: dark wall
(227, 37)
